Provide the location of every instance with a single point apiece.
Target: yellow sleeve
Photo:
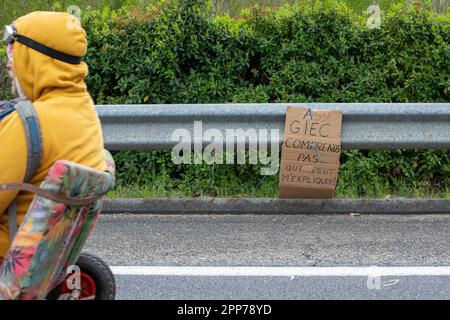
(13, 156)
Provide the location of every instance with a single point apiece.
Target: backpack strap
(33, 134)
(51, 195)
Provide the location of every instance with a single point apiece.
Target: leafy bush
(176, 52)
(326, 54)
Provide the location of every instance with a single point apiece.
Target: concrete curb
(275, 206)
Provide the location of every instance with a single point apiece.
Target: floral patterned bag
(52, 234)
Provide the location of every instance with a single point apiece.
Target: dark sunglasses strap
(46, 50)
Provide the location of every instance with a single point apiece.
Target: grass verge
(268, 188)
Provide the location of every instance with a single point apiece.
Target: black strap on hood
(47, 51)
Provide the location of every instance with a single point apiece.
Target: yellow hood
(39, 75)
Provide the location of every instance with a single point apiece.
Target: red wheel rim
(88, 287)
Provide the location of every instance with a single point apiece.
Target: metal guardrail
(365, 125)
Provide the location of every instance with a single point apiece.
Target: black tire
(100, 272)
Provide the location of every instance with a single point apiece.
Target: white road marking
(372, 271)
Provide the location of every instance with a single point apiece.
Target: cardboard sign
(310, 153)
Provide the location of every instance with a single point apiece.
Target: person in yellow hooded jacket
(53, 80)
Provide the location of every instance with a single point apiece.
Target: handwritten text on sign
(310, 153)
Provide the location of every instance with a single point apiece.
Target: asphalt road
(278, 242)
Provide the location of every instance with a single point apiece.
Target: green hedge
(177, 53)
(308, 53)
(323, 52)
